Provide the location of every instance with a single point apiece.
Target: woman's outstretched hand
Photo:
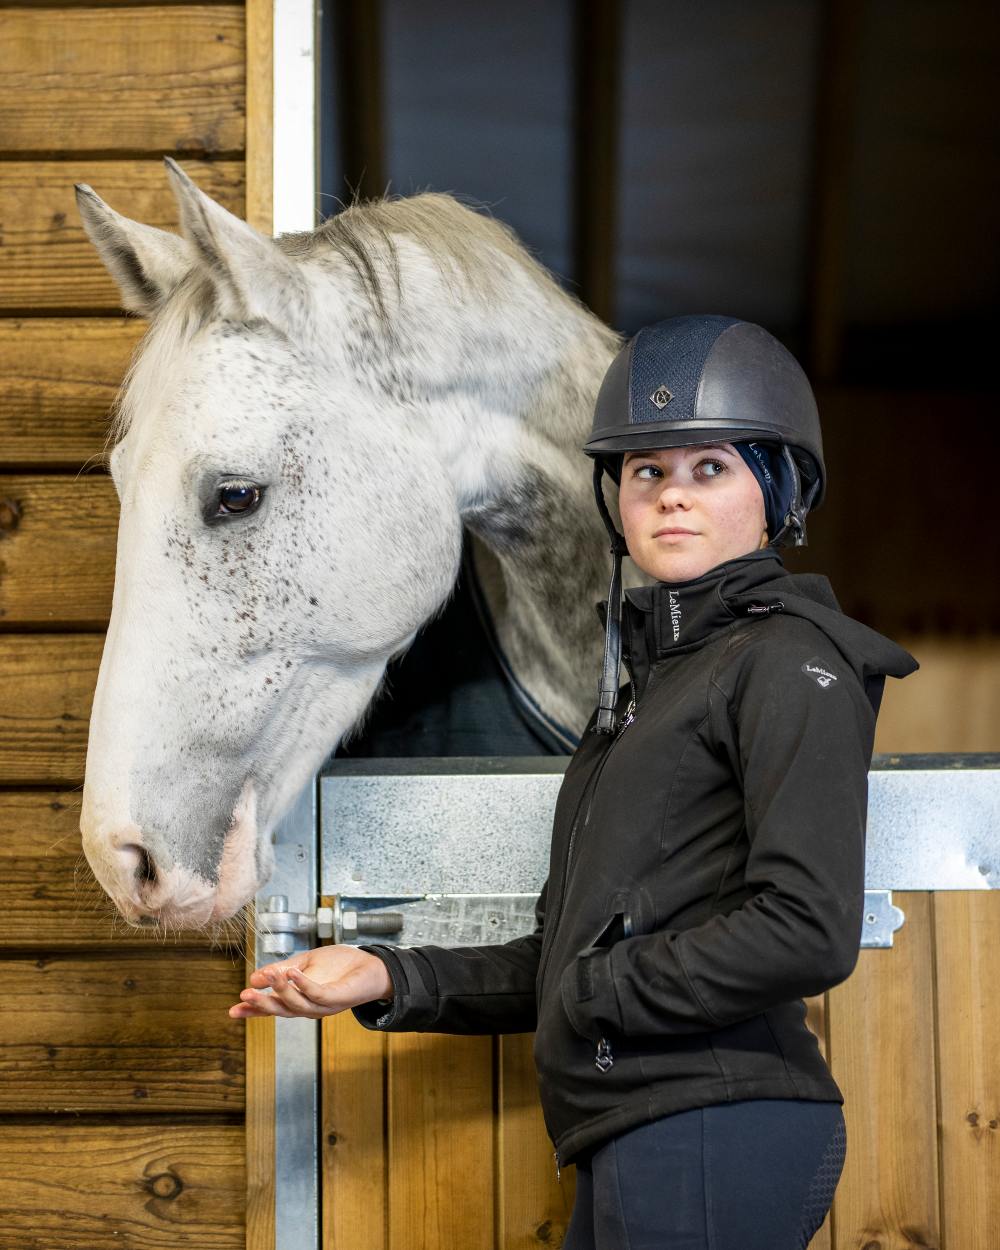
(314, 983)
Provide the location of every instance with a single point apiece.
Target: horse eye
(238, 497)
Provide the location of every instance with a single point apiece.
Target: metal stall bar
(294, 138)
(456, 851)
(286, 923)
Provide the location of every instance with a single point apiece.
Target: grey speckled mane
(361, 392)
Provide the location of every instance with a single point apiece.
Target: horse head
(306, 427)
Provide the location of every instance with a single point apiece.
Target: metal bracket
(881, 920)
(283, 926)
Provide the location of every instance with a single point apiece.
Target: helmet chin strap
(607, 691)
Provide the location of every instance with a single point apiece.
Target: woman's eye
(711, 468)
(641, 471)
(235, 498)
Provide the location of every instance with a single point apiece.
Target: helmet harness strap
(607, 691)
(794, 528)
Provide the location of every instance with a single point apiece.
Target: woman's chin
(679, 566)
(684, 564)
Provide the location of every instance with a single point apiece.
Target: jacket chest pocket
(614, 928)
(628, 913)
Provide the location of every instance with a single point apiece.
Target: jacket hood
(670, 617)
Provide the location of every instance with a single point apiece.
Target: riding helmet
(698, 379)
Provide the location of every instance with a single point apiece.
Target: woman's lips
(673, 532)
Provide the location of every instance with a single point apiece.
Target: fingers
(320, 996)
(263, 976)
(294, 993)
(255, 1004)
(284, 1000)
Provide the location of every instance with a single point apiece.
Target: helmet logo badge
(661, 396)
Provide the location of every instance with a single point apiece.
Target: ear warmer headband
(774, 478)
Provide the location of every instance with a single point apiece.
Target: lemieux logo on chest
(821, 676)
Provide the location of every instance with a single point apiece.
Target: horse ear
(253, 277)
(145, 262)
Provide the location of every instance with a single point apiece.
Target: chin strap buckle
(793, 531)
(607, 690)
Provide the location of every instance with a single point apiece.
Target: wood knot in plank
(164, 1185)
(10, 514)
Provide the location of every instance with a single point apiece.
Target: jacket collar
(666, 617)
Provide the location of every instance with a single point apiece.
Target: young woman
(707, 863)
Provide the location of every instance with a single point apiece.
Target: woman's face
(686, 509)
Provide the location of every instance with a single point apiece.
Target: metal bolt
(380, 922)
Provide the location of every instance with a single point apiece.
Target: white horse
(308, 426)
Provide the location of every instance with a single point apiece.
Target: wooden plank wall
(122, 1078)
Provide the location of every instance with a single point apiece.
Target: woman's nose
(673, 496)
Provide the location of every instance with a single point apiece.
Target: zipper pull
(604, 1058)
(555, 1155)
(628, 718)
(765, 609)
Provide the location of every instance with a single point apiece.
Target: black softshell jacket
(706, 871)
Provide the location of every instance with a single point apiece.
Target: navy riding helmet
(699, 379)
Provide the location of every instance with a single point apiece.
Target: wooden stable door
(434, 1142)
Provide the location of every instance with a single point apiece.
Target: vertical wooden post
(882, 1054)
(260, 1110)
(260, 108)
(966, 929)
(260, 1048)
(533, 1207)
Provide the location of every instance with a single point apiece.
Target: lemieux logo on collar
(674, 601)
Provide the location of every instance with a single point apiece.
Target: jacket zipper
(588, 794)
(603, 1059)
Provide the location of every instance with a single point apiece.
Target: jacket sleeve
(460, 989)
(801, 750)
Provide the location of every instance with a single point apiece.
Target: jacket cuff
(588, 993)
(414, 994)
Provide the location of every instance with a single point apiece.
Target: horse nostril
(145, 869)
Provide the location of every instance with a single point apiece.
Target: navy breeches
(753, 1175)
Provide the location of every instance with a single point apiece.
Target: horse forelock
(191, 306)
